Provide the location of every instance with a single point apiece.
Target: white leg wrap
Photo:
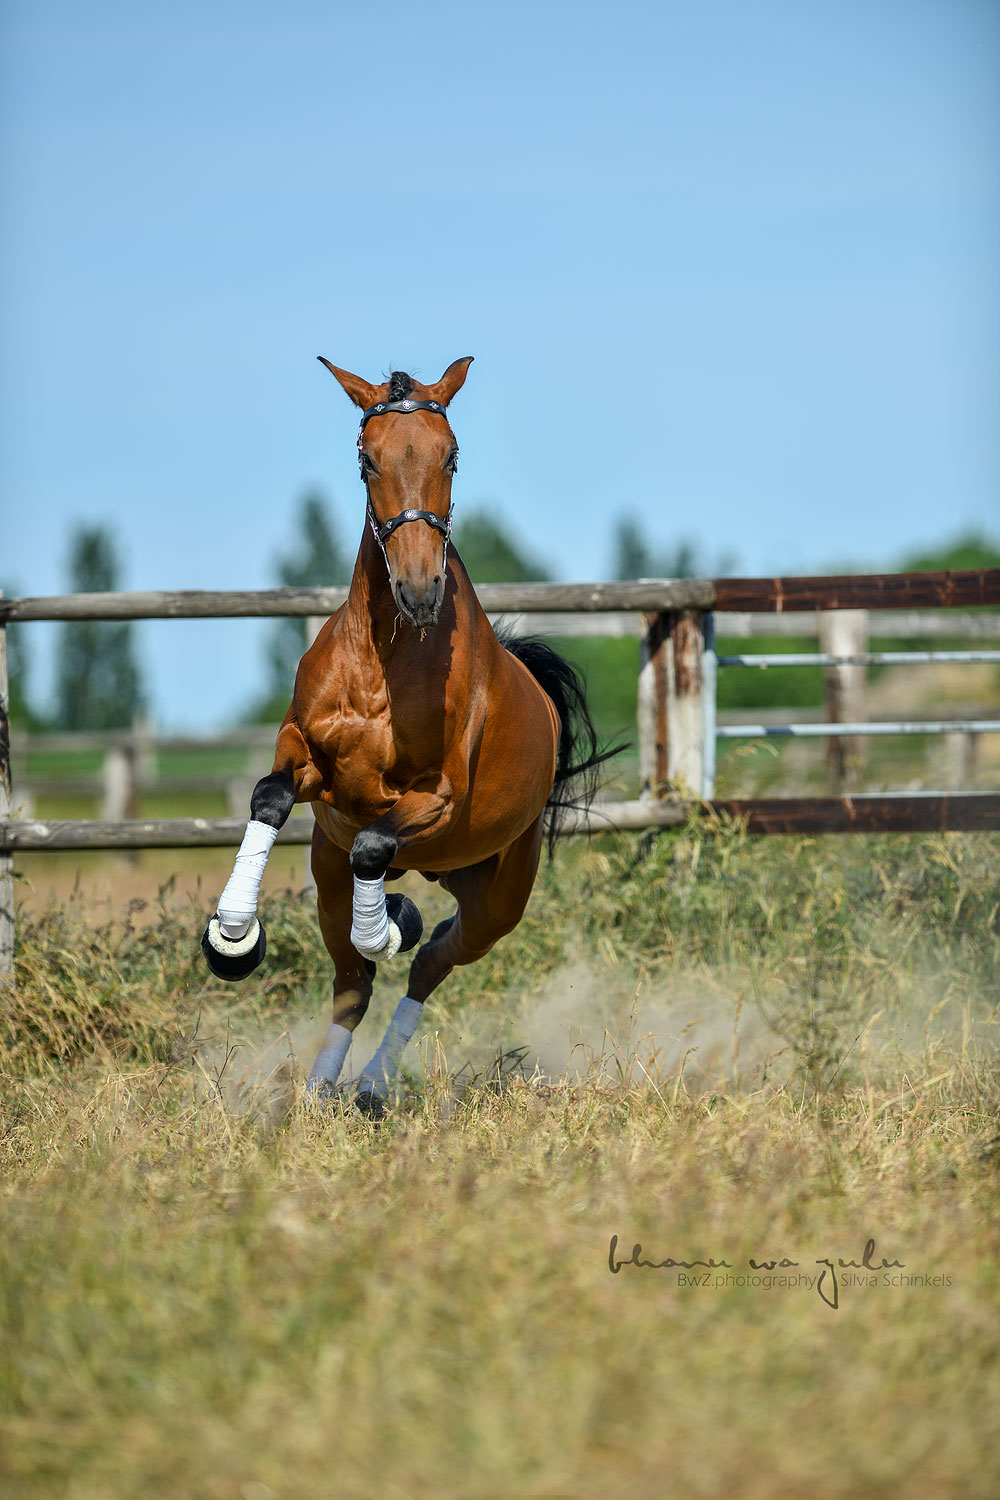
(238, 902)
(381, 1072)
(372, 934)
(329, 1059)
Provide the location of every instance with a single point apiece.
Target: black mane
(400, 385)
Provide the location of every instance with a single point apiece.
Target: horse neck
(372, 617)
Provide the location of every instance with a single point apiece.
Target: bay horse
(423, 740)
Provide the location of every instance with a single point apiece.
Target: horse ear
(360, 392)
(451, 381)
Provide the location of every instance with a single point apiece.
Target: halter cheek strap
(384, 530)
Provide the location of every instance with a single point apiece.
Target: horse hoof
(407, 918)
(233, 960)
(369, 1104)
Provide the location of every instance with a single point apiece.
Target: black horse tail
(580, 754)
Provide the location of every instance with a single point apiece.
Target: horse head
(408, 455)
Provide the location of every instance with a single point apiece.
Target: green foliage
(974, 550)
(491, 554)
(765, 687)
(633, 557)
(98, 678)
(859, 916)
(610, 667)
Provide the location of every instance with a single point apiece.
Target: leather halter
(386, 528)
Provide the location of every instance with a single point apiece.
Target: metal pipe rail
(712, 731)
(863, 659)
(866, 726)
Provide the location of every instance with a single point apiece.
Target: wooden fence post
(844, 632)
(6, 859)
(118, 791)
(671, 731)
(961, 753)
(652, 705)
(144, 755)
(685, 729)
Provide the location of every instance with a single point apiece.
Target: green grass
(717, 1047)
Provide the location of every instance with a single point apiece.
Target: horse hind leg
(491, 900)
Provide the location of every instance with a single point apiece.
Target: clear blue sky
(731, 267)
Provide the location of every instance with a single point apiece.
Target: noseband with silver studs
(385, 529)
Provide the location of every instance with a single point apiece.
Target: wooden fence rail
(920, 812)
(943, 590)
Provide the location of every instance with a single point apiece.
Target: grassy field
(720, 1049)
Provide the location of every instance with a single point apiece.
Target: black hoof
(233, 961)
(370, 1105)
(407, 918)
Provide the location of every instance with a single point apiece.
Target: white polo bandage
(238, 902)
(372, 933)
(329, 1059)
(380, 1074)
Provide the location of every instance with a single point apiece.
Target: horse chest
(371, 764)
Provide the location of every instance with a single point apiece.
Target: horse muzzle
(419, 605)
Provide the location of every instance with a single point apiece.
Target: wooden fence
(677, 621)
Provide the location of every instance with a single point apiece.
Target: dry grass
(211, 1290)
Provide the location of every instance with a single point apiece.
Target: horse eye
(367, 467)
(452, 465)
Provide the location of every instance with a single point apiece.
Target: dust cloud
(603, 1023)
(587, 1021)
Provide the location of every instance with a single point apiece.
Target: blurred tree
(317, 560)
(97, 677)
(973, 550)
(634, 558)
(22, 712)
(490, 553)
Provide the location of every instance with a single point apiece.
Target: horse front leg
(352, 974)
(383, 926)
(234, 941)
(352, 908)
